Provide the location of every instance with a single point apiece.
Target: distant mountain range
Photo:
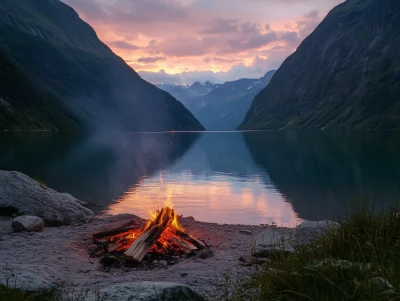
(185, 93)
(56, 74)
(346, 74)
(220, 106)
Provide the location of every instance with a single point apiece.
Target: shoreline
(62, 256)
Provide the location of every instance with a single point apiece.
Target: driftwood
(146, 240)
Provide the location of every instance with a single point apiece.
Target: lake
(224, 177)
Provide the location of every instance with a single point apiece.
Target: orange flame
(173, 239)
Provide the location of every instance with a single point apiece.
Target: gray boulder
(28, 223)
(273, 240)
(147, 291)
(309, 231)
(26, 196)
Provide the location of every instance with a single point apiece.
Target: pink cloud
(239, 38)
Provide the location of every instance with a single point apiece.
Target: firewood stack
(163, 235)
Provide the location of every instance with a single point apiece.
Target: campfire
(162, 235)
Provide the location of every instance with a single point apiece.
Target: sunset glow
(181, 41)
(208, 201)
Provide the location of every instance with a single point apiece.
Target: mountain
(225, 107)
(44, 110)
(346, 74)
(198, 89)
(219, 106)
(50, 43)
(185, 93)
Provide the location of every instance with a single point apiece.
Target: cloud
(147, 60)
(243, 37)
(250, 41)
(259, 67)
(189, 38)
(309, 23)
(181, 46)
(222, 26)
(221, 60)
(132, 11)
(181, 78)
(122, 45)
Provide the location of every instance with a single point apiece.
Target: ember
(161, 235)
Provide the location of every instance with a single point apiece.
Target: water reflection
(247, 178)
(320, 173)
(96, 168)
(215, 181)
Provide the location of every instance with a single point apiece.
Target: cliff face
(49, 41)
(346, 74)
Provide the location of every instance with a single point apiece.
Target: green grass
(8, 293)
(11, 294)
(358, 261)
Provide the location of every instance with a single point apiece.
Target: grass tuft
(11, 294)
(357, 261)
(8, 293)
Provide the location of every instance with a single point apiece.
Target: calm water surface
(240, 178)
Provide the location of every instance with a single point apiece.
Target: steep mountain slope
(225, 107)
(43, 110)
(61, 51)
(346, 74)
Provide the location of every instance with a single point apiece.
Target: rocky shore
(48, 245)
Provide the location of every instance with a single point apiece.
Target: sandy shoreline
(60, 255)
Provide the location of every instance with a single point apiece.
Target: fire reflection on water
(219, 198)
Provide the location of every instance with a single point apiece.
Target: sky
(183, 41)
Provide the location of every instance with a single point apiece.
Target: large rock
(26, 196)
(309, 231)
(273, 240)
(147, 291)
(28, 223)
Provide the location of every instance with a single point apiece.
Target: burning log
(163, 236)
(166, 231)
(132, 225)
(113, 247)
(143, 244)
(199, 244)
(186, 247)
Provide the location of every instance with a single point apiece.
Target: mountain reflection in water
(246, 178)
